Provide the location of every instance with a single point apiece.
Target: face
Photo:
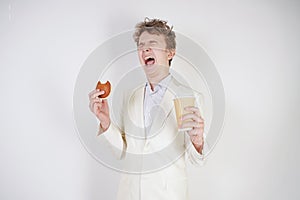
(153, 55)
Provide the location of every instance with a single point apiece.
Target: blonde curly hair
(156, 26)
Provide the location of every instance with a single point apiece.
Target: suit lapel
(140, 106)
(136, 111)
(163, 111)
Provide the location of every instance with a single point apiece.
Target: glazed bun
(106, 87)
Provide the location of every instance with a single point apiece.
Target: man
(148, 128)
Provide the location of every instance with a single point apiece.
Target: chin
(150, 69)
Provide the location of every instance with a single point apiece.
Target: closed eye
(153, 42)
(140, 45)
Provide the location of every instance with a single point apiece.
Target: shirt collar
(162, 85)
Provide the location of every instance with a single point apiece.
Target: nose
(146, 49)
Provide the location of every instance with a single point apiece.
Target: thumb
(104, 103)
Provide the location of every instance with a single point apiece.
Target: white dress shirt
(153, 99)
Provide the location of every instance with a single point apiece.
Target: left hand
(194, 121)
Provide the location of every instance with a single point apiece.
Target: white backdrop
(254, 44)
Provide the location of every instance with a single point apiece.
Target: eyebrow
(151, 41)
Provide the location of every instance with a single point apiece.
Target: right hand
(100, 108)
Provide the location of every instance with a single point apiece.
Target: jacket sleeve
(191, 153)
(113, 137)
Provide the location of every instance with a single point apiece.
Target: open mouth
(149, 60)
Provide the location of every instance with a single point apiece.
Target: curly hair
(156, 26)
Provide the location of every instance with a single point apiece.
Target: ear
(171, 53)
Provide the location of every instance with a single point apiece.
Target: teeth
(148, 57)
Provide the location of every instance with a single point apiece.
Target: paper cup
(180, 103)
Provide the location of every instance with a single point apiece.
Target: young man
(156, 139)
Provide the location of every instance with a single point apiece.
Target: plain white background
(254, 45)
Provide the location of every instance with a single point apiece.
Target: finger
(105, 104)
(103, 117)
(92, 92)
(96, 94)
(95, 100)
(193, 132)
(95, 107)
(193, 117)
(196, 132)
(95, 104)
(193, 109)
(191, 124)
(104, 101)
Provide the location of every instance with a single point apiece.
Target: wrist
(198, 143)
(103, 127)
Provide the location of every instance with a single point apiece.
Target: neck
(153, 81)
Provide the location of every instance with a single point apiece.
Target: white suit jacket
(157, 162)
